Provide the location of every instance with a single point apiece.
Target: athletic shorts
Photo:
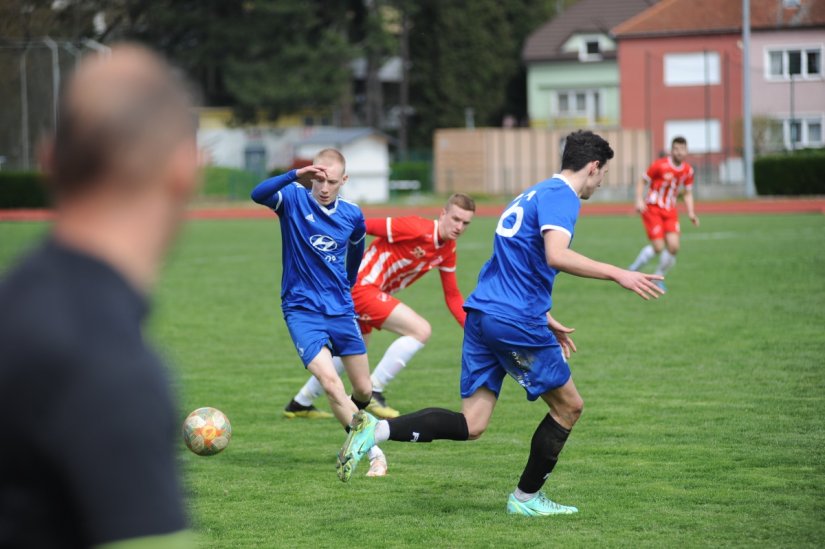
(372, 306)
(311, 331)
(494, 347)
(658, 221)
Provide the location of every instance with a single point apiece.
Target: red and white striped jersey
(405, 250)
(665, 180)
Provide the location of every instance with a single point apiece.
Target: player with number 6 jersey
(509, 329)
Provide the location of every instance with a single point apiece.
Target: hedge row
(22, 190)
(228, 183)
(414, 170)
(802, 172)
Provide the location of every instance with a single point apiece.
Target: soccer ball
(207, 431)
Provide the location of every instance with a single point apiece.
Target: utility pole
(404, 99)
(747, 134)
(52, 45)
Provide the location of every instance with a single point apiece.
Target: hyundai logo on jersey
(323, 242)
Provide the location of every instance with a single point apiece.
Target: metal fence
(32, 72)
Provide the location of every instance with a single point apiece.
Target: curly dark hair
(582, 147)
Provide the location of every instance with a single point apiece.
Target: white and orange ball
(207, 431)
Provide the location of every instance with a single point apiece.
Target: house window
(692, 69)
(579, 104)
(795, 131)
(794, 62)
(782, 64)
(702, 135)
(592, 47)
(802, 132)
(564, 106)
(813, 58)
(815, 132)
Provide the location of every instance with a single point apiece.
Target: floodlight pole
(747, 133)
(24, 109)
(52, 45)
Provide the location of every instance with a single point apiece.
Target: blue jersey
(516, 283)
(319, 243)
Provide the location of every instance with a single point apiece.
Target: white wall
(368, 166)
(226, 146)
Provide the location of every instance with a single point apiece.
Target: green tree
(468, 55)
(275, 56)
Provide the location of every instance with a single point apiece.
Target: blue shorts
(310, 331)
(494, 347)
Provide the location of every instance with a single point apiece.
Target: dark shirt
(88, 436)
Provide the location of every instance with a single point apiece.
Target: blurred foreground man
(89, 420)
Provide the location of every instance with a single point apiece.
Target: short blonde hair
(331, 154)
(463, 201)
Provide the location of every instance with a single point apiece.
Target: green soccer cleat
(360, 439)
(538, 506)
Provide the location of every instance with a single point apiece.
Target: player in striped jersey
(405, 249)
(667, 177)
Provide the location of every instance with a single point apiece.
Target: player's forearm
(354, 254)
(574, 263)
(689, 204)
(640, 189)
(266, 189)
(455, 303)
(453, 297)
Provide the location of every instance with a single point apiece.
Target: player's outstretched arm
(453, 297)
(691, 211)
(266, 191)
(561, 257)
(640, 189)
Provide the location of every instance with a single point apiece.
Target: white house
(368, 159)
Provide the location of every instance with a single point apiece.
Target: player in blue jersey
(322, 237)
(509, 330)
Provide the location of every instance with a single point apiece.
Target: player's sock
(361, 404)
(374, 452)
(428, 425)
(644, 256)
(395, 358)
(312, 389)
(548, 440)
(523, 496)
(666, 261)
(382, 431)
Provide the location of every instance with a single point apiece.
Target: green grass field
(703, 421)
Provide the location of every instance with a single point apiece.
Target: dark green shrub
(798, 173)
(22, 190)
(228, 183)
(416, 170)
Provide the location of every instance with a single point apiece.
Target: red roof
(685, 17)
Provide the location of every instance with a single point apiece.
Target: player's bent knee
(574, 410)
(422, 331)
